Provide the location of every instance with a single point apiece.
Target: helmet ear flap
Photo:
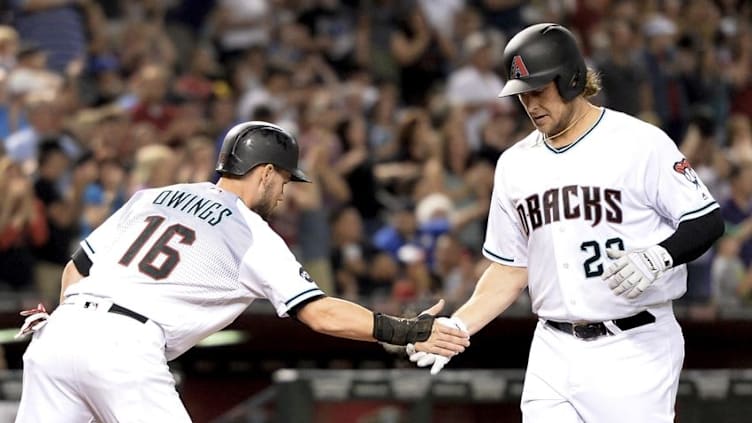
(572, 88)
(575, 79)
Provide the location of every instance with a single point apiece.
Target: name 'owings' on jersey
(590, 203)
(209, 211)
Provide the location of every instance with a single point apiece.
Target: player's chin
(541, 123)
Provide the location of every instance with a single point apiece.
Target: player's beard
(265, 206)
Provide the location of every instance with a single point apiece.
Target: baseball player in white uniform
(595, 212)
(172, 266)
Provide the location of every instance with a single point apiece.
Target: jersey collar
(569, 146)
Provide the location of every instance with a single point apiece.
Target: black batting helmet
(250, 144)
(540, 54)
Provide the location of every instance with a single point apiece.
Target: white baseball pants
(87, 363)
(629, 377)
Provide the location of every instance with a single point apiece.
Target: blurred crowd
(394, 103)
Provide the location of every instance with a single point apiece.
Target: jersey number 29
(146, 265)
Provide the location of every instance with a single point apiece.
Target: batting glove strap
(401, 331)
(656, 259)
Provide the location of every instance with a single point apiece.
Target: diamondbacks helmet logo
(518, 70)
(683, 167)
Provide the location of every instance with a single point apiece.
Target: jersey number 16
(146, 265)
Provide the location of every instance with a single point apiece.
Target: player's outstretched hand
(437, 362)
(635, 270)
(36, 318)
(445, 340)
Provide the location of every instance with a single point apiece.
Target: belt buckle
(586, 331)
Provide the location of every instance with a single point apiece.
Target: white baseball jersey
(623, 184)
(191, 257)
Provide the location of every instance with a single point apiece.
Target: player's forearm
(497, 289)
(337, 317)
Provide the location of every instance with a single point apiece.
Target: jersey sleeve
(106, 233)
(271, 271)
(673, 188)
(506, 241)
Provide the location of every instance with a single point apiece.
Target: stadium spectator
(351, 255)
(454, 266)
(331, 25)
(475, 86)
(155, 165)
(23, 227)
(729, 276)
(739, 135)
(356, 166)
(669, 97)
(736, 209)
(9, 46)
(62, 209)
(151, 89)
(46, 121)
(421, 53)
(102, 197)
(58, 27)
(624, 79)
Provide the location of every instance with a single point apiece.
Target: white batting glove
(423, 359)
(634, 271)
(36, 318)
(420, 358)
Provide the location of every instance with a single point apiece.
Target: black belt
(592, 330)
(114, 308)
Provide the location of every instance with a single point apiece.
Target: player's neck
(237, 186)
(584, 116)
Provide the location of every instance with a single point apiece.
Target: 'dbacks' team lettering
(590, 203)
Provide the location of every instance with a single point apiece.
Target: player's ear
(257, 176)
(267, 172)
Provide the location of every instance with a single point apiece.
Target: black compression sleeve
(693, 237)
(82, 261)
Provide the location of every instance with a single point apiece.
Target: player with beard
(172, 266)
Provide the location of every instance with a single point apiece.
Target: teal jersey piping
(567, 147)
